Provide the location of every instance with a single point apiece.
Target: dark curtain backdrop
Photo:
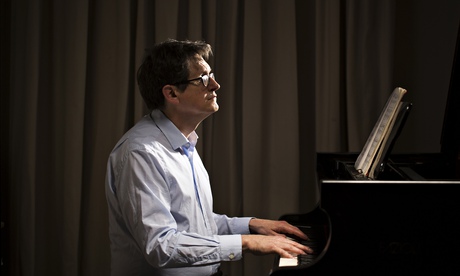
(297, 77)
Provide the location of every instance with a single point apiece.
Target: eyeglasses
(204, 79)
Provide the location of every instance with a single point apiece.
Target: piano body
(383, 227)
(406, 222)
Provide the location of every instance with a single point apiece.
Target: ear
(169, 92)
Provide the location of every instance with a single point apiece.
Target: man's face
(197, 99)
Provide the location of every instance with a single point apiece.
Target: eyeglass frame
(202, 78)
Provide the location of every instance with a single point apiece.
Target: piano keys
(316, 242)
(316, 225)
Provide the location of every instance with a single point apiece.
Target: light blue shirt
(161, 220)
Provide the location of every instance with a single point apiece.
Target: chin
(215, 107)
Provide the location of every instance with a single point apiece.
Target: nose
(213, 85)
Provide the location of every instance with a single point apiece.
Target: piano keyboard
(316, 242)
(297, 260)
(316, 225)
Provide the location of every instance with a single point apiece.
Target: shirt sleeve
(234, 225)
(145, 205)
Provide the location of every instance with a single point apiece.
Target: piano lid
(450, 136)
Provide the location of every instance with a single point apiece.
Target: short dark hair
(167, 63)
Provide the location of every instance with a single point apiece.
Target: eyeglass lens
(205, 79)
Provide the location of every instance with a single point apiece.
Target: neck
(185, 124)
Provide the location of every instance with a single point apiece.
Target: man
(158, 191)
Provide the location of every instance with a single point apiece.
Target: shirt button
(231, 256)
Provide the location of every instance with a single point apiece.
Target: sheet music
(380, 130)
(378, 156)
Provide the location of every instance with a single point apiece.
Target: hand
(283, 246)
(275, 228)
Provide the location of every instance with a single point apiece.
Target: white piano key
(288, 262)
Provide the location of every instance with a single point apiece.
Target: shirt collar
(172, 133)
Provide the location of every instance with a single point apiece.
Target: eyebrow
(207, 71)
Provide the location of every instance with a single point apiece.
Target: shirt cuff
(230, 247)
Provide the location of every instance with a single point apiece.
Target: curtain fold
(369, 35)
(329, 107)
(270, 123)
(354, 45)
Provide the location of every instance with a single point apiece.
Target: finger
(297, 248)
(300, 234)
(284, 254)
(291, 229)
(305, 248)
(274, 233)
(302, 249)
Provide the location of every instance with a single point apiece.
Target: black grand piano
(404, 222)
